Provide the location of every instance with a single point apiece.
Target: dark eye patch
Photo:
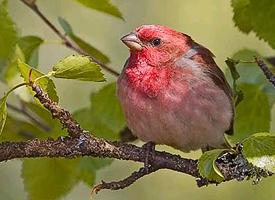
(156, 42)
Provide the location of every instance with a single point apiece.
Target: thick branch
(87, 145)
(32, 5)
(81, 143)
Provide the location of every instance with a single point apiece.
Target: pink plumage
(172, 92)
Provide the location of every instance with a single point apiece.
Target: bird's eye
(156, 42)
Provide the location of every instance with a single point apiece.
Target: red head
(157, 44)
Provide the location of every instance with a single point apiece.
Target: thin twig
(269, 75)
(32, 5)
(117, 185)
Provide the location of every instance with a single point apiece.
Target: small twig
(269, 75)
(117, 185)
(32, 5)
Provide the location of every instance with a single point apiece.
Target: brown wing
(218, 78)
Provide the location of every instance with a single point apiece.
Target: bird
(173, 93)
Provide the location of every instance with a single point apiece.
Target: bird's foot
(150, 152)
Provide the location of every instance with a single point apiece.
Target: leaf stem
(15, 87)
(44, 76)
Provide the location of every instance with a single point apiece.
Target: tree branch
(70, 44)
(269, 75)
(82, 143)
(116, 185)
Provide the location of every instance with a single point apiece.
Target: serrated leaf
(49, 178)
(81, 43)
(103, 6)
(259, 149)
(3, 113)
(252, 114)
(106, 104)
(241, 15)
(78, 67)
(207, 165)
(252, 15)
(12, 75)
(30, 45)
(105, 117)
(45, 83)
(8, 34)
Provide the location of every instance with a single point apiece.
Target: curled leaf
(207, 165)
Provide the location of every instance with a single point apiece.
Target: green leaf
(103, 6)
(238, 94)
(232, 67)
(106, 104)
(78, 67)
(207, 165)
(93, 123)
(49, 178)
(3, 113)
(241, 15)
(88, 166)
(105, 117)
(251, 73)
(81, 43)
(8, 34)
(19, 130)
(45, 83)
(259, 149)
(30, 45)
(89, 49)
(252, 15)
(65, 25)
(12, 75)
(252, 114)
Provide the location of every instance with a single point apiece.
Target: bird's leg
(150, 152)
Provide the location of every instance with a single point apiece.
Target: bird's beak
(132, 41)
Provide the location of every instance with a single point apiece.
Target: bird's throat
(147, 79)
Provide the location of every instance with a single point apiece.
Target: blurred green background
(209, 22)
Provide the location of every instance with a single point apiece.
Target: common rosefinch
(173, 92)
